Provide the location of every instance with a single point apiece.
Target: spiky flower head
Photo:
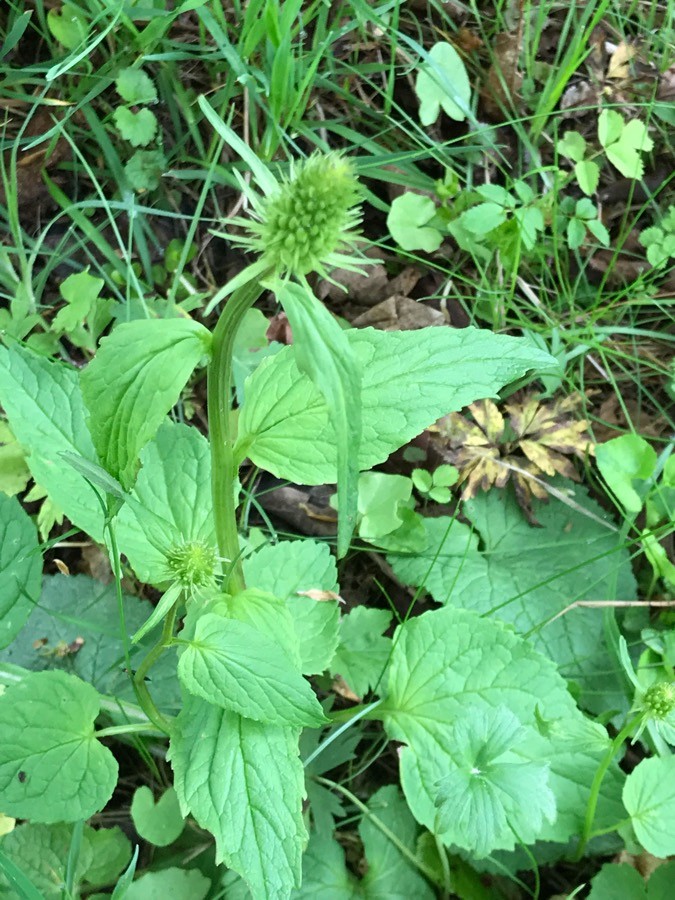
(307, 223)
(192, 564)
(659, 700)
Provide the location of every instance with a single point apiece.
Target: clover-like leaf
(624, 142)
(408, 223)
(135, 86)
(443, 83)
(139, 128)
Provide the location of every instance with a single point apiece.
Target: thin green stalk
(613, 749)
(222, 435)
(158, 719)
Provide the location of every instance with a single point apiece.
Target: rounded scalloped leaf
(52, 768)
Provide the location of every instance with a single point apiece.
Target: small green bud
(192, 564)
(308, 223)
(659, 699)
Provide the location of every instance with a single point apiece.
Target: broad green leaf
(381, 497)
(618, 882)
(233, 665)
(160, 823)
(492, 789)
(76, 606)
(588, 176)
(243, 781)
(135, 86)
(323, 353)
(324, 873)
(626, 463)
(47, 416)
(68, 25)
(389, 875)
(20, 568)
(530, 222)
(408, 223)
(265, 613)
(410, 379)
(178, 884)
(144, 170)
(250, 348)
(623, 142)
(52, 768)
(483, 218)
(572, 145)
(174, 505)
(289, 568)
(111, 852)
(363, 652)
(41, 852)
(139, 128)
(443, 83)
(132, 383)
(649, 797)
(449, 663)
(506, 569)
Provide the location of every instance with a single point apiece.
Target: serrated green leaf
(572, 145)
(530, 222)
(47, 415)
(20, 568)
(244, 782)
(111, 852)
(233, 665)
(52, 768)
(626, 463)
(363, 651)
(139, 128)
(588, 175)
(649, 798)
(410, 379)
(77, 606)
(160, 823)
(448, 663)
(132, 383)
(285, 570)
(145, 168)
(41, 852)
(389, 876)
(80, 291)
(514, 576)
(173, 501)
(576, 232)
(492, 789)
(443, 83)
(14, 471)
(618, 882)
(266, 614)
(135, 86)
(178, 884)
(323, 353)
(483, 218)
(408, 220)
(623, 142)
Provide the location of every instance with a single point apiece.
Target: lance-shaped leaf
(132, 383)
(244, 782)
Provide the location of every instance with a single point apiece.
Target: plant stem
(224, 468)
(158, 719)
(612, 750)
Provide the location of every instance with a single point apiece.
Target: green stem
(612, 750)
(139, 728)
(158, 719)
(224, 468)
(378, 823)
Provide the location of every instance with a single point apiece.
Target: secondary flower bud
(192, 564)
(659, 699)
